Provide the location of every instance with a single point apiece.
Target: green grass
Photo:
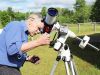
(85, 28)
(86, 60)
(48, 56)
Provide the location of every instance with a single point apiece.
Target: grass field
(87, 61)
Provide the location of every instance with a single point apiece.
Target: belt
(1, 65)
(9, 67)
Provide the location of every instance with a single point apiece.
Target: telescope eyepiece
(52, 12)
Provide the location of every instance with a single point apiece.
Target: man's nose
(42, 24)
(37, 30)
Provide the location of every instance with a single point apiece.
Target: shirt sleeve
(14, 42)
(13, 38)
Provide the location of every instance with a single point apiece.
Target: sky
(36, 5)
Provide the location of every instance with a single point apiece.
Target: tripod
(65, 55)
(59, 44)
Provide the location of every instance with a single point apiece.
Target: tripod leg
(67, 68)
(73, 68)
(54, 67)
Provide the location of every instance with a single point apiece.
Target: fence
(90, 27)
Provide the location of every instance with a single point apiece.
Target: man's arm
(43, 40)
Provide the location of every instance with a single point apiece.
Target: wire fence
(90, 27)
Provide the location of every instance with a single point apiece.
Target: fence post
(94, 26)
(0, 21)
(78, 27)
(67, 26)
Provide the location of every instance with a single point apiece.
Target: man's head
(34, 24)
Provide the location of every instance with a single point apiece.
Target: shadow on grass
(88, 54)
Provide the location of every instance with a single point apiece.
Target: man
(14, 43)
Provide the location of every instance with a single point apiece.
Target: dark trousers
(5, 70)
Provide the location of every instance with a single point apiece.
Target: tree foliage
(43, 11)
(95, 14)
(80, 14)
(80, 10)
(9, 15)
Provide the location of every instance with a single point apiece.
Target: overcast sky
(36, 5)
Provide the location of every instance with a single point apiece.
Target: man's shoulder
(13, 25)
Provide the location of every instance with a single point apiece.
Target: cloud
(3, 5)
(36, 5)
(14, 1)
(89, 2)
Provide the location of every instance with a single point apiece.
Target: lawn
(87, 61)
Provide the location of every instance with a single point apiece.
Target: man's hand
(33, 59)
(44, 39)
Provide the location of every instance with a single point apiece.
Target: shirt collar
(24, 25)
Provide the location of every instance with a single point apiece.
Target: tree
(19, 16)
(95, 14)
(79, 5)
(64, 15)
(10, 13)
(80, 10)
(43, 11)
(4, 18)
